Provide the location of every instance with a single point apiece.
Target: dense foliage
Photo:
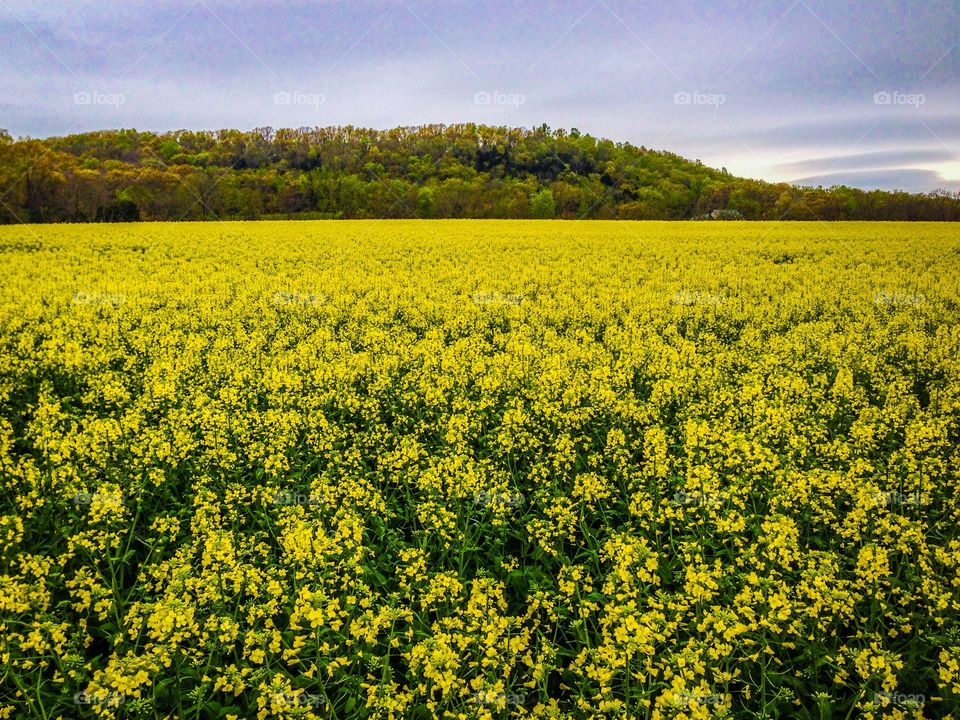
(434, 171)
(480, 470)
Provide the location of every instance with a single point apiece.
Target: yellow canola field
(480, 469)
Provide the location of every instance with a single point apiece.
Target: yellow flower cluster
(480, 470)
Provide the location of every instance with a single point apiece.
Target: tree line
(429, 171)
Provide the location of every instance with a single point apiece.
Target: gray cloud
(908, 180)
(864, 129)
(879, 159)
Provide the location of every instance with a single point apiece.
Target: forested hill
(431, 171)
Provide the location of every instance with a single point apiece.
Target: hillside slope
(439, 171)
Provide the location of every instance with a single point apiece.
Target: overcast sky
(861, 92)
